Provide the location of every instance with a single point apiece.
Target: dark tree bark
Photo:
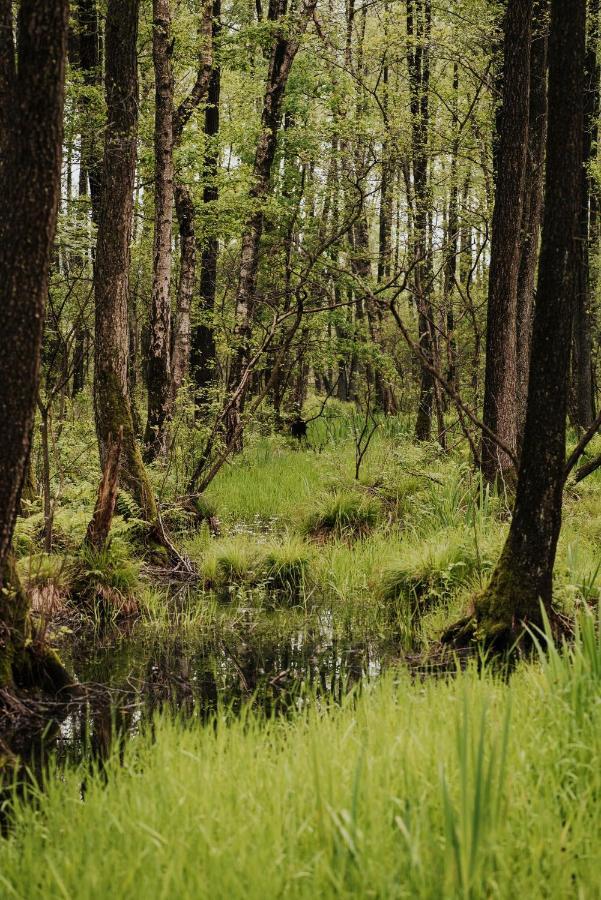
(500, 387)
(159, 349)
(31, 132)
(419, 24)
(182, 333)
(111, 282)
(533, 205)
(283, 53)
(524, 574)
(583, 394)
(203, 352)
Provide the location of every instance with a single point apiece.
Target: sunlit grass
(472, 787)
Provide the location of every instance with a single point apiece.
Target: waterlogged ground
(273, 663)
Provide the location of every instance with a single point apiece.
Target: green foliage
(343, 514)
(432, 571)
(277, 571)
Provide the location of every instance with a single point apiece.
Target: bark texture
(583, 392)
(500, 387)
(111, 282)
(31, 131)
(419, 26)
(533, 205)
(203, 352)
(159, 349)
(524, 574)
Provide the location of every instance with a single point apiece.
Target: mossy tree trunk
(419, 29)
(111, 282)
(31, 130)
(524, 574)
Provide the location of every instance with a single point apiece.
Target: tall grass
(429, 790)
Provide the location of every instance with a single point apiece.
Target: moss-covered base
(503, 611)
(26, 660)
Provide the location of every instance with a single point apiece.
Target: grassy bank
(471, 787)
(403, 549)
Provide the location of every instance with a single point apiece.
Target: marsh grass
(471, 787)
(343, 514)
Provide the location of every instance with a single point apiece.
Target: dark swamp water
(128, 675)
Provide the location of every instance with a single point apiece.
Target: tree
(31, 131)
(582, 406)
(283, 52)
(111, 396)
(500, 386)
(533, 205)
(159, 351)
(203, 350)
(523, 576)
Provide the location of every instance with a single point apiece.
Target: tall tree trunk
(533, 205)
(31, 133)
(283, 53)
(524, 574)
(203, 358)
(452, 243)
(419, 21)
(159, 351)
(180, 354)
(111, 282)
(583, 399)
(500, 387)
(182, 337)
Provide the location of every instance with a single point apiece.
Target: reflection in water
(129, 677)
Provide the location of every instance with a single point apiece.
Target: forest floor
(317, 601)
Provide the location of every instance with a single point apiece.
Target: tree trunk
(31, 132)
(159, 351)
(180, 355)
(203, 358)
(524, 574)
(419, 21)
(100, 524)
(533, 205)
(111, 282)
(500, 387)
(583, 395)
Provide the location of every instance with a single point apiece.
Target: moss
(508, 602)
(25, 659)
(114, 413)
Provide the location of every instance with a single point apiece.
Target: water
(128, 675)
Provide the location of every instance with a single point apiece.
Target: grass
(471, 787)
(343, 514)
